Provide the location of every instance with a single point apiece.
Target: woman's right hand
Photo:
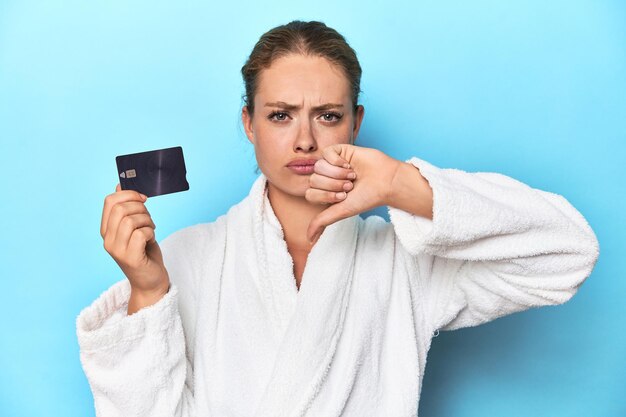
(128, 233)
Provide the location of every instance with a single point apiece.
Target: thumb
(333, 154)
(327, 217)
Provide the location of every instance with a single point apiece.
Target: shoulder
(192, 237)
(185, 250)
(192, 243)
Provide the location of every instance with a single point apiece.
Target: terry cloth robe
(234, 337)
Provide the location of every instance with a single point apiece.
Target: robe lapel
(315, 320)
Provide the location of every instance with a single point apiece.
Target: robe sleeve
(494, 246)
(136, 365)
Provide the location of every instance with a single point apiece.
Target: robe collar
(308, 322)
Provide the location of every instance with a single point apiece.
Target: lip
(302, 169)
(302, 162)
(302, 166)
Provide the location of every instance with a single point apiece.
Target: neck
(294, 214)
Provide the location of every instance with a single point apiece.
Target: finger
(111, 200)
(322, 182)
(316, 237)
(137, 243)
(118, 212)
(329, 216)
(323, 167)
(116, 240)
(118, 187)
(324, 197)
(127, 227)
(333, 155)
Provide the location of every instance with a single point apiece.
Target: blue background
(532, 89)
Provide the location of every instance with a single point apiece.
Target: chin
(299, 187)
(292, 184)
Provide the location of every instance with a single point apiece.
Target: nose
(305, 141)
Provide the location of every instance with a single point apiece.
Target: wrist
(390, 182)
(410, 191)
(143, 298)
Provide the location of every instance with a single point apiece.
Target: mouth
(302, 169)
(302, 166)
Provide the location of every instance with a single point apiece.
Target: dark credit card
(153, 172)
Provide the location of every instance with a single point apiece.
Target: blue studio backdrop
(535, 90)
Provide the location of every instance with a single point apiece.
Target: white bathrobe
(235, 338)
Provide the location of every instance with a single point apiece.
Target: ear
(246, 120)
(358, 118)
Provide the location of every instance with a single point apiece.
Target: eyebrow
(288, 106)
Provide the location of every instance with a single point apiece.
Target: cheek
(271, 147)
(271, 141)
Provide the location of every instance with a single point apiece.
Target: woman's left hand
(371, 187)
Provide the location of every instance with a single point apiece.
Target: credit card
(152, 173)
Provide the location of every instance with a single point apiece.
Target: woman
(291, 304)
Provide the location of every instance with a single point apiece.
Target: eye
(280, 116)
(331, 117)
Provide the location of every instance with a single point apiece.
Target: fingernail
(341, 195)
(347, 185)
(352, 175)
(346, 166)
(145, 197)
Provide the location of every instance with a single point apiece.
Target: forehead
(297, 78)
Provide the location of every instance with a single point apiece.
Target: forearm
(497, 246)
(136, 365)
(410, 191)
